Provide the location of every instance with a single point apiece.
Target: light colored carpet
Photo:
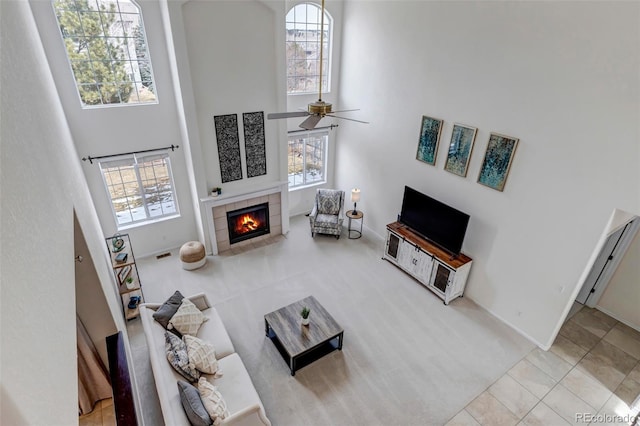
(407, 358)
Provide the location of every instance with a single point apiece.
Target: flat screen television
(434, 220)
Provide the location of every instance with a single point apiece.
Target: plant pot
(305, 321)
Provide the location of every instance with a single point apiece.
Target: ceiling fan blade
(350, 119)
(277, 115)
(311, 122)
(346, 110)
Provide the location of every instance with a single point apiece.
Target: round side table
(355, 215)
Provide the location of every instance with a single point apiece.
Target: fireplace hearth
(249, 222)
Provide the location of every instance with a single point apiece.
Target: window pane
(104, 40)
(306, 159)
(303, 48)
(140, 191)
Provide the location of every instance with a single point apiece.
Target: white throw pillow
(187, 319)
(202, 355)
(212, 401)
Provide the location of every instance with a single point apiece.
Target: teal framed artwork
(497, 161)
(429, 139)
(460, 147)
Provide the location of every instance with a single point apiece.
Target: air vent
(160, 256)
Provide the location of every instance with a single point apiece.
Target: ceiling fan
(316, 111)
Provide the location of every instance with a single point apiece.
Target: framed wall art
(429, 138)
(497, 161)
(254, 143)
(228, 147)
(460, 147)
(123, 273)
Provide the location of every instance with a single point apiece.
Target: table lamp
(355, 197)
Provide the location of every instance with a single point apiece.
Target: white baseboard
(616, 317)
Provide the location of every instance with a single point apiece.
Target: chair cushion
(326, 220)
(329, 201)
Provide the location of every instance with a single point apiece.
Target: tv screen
(436, 221)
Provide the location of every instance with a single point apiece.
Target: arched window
(107, 49)
(303, 49)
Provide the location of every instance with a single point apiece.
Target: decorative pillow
(202, 355)
(212, 401)
(178, 358)
(187, 319)
(192, 405)
(329, 201)
(168, 309)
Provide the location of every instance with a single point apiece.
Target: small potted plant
(305, 315)
(216, 191)
(129, 282)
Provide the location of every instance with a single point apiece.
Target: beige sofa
(235, 384)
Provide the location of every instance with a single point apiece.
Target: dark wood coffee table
(300, 345)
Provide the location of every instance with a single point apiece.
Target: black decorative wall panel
(228, 147)
(254, 143)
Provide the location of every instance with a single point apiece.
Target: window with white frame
(303, 49)
(140, 188)
(307, 158)
(107, 48)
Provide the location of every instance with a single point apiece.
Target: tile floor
(591, 375)
(102, 415)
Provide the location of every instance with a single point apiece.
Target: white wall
(113, 130)
(41, 185)
(232, 64)
(91, 303)
(622, 295)
(562, 77)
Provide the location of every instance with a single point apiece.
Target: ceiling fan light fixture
(319, 107)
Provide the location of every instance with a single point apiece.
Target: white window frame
(130, 57)
(327, 53)
(136, 161)
(305, 135)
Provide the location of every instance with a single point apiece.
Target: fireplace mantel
(209, 203)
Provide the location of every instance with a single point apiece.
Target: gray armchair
(328, 212)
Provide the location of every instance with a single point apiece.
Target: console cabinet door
(441, 278)
(417, 262)
(393, 246)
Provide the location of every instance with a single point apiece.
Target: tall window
(140, 188)
(107, 48)
(303, 49)
(307, 158)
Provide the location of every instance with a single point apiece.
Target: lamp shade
(355, 195)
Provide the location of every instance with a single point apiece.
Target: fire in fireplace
(248, 223)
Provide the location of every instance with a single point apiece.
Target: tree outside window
(107, 49)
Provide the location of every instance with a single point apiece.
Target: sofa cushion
(192, 404)
(178, 358)
(213, 401)
(236, 385)
(202, 355)
(187, 319)
(168, 309)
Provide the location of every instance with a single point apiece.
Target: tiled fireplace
(235, 220)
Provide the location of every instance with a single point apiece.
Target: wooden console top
(443, 256)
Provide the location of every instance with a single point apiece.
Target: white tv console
(433, 267)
